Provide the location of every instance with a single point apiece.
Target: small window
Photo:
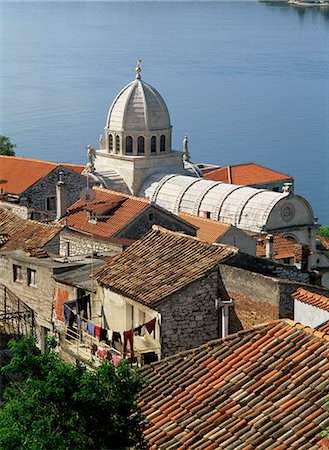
(206, 214)
(110, 142)
(51, 204)
(153, 144)
(31, 277)
(129, 144)
(151, 217)
(18, 274)
(140, 144)
(117, 144)
(163, 143)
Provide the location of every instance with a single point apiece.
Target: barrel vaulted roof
(263, 388)
(160, 264)
(244, 207)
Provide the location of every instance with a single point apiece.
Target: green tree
(6, 146)
(56, 405)
(323, 231)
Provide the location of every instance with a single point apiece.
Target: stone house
(32, 183)
(223, 233)
(112, 221)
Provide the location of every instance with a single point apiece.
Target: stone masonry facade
(189, 317)
(78, 244)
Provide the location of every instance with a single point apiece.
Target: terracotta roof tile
(324, 241)
(112, 209)
(18, 174)
(175, 260)
(283, 247)
(208, 230)
(324, 327)
(24, 234)
(312, 298)
(246, 174)
(280, 405)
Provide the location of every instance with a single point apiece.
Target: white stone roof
(244, 207)
(138, 107)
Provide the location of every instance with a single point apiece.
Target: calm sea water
(247, 81)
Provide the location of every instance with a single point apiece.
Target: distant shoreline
(308, 3)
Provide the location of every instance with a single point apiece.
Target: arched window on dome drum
(129, 144)
(110, 143)
(140, 144)
(162, 143)
(117, 144)
(153, 144)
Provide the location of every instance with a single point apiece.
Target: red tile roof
(208, 230)
(246, 174)
(161, 263)
(324, 241)
(283, 247)
(324, 327)
(265, 388)
(312, 298)
(113, 209)
(19, 233)
(18, 174)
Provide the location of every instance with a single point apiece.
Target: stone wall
(151, 216)
(83, 244)
(37, 194)
(189, 317)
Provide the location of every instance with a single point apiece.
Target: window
(18, 275)
(153, 144)
(117, 144)
(129, 144)
(129, 316)
(206, 214)
(31, 277)
(151, 217)
(163, 143)
(51, 203)
(140, 147)
(110, 142)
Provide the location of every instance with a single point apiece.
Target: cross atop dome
(138, 69)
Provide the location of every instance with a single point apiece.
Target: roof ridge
(159, 228)
(133, 197)
(23, 158)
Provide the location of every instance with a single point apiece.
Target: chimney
(270, 247)
(224, 306)
(60, 196)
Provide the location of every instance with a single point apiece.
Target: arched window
(140, 146)
(110, 142)
(162, 143)
(153, 144)
(129, 144)
(117, 144)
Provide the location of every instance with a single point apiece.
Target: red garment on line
(97, 331)
(128, 336)
(150, 326)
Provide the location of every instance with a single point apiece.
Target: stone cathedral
(136, 157)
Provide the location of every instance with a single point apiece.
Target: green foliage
(6, 146)
(60, 406)
(323, 231)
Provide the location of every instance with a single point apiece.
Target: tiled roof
(24, 234)
(161, 263)
(324, 242)
(283, 247)
(18, 174)
(113, 209)
(324, 327)
(208, 230)
(246, 174)
(263, 389)
(312, 298)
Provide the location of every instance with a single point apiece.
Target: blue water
(247, 81)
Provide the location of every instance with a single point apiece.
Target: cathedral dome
(138, 107)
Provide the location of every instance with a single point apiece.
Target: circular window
(287, 212)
